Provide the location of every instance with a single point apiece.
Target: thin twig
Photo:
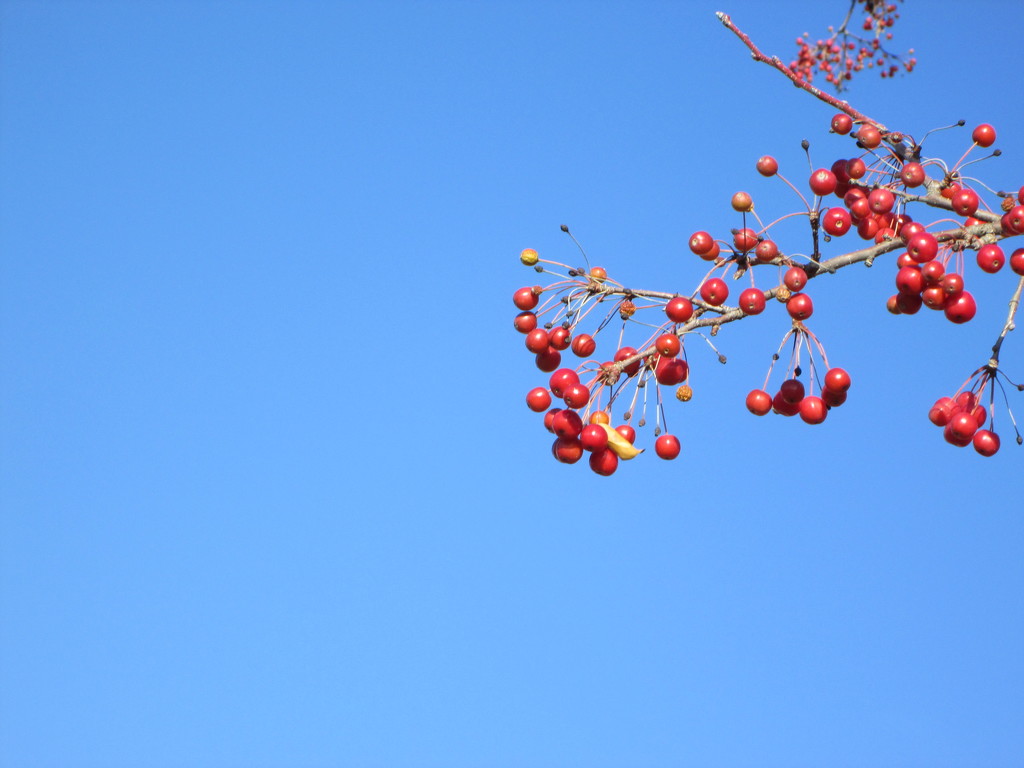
(799, 82)
(1008, 325)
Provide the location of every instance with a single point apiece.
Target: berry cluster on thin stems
(709, 316)
(721, 315)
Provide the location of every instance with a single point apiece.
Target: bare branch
(1008, 325)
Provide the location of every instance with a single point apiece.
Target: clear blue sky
(270, 495)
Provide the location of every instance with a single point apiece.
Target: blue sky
(270, 495)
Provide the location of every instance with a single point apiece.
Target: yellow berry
(529, 257)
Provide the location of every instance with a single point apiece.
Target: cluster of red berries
(962, 417)
(874, 188)
(871, 196)
(573, 437)
(792, 399)
(843, 53)
(922, 279)
(583, 424)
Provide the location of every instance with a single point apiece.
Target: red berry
(766, 250)
(912, 174)
(622, 354)
(548, 360)
(869, 136)
(941, 412)
(759, 402)
(594, 437)
(559, 338)
(833, 399)
(852, 195)
(627, 432)
(868, 227)
(604, 462)
(800, 306)
(667, 345)
(537, 340)
(526, 298)
(795, 279)
(842, 124)
(952, 439)
(961, 309)
(583, 345)
(566, 423)
(932, 272)
(965, 202)
(745, 240)
(934, 297)
(909, 229)
(991, 258)
(752, 301)
(671, 371)
(561, 380)
(538, 399)
(979, 413)
(952, 284)
(822, 182)
(679, 309)
(712, 254)
(701, 243)
(812, 410)
(909, 280)
(905, 260)
(567, 450)
(576, 396)
(984, 135)
(908, 303)
(525, 322)
(767, 166)
(714, 291)
(1017, 261)
(986, 443)
(837, 221)
(881, 200)
(856, 168)
(784, 408)
(962, 426)
(792, 391)
(842, 177)
(923, 247)
(667, 447)
(837, 380)
(965, 401)
(1013, 221)
(549, 419)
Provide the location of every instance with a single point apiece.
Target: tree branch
(1008, 325)
(774, 61)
